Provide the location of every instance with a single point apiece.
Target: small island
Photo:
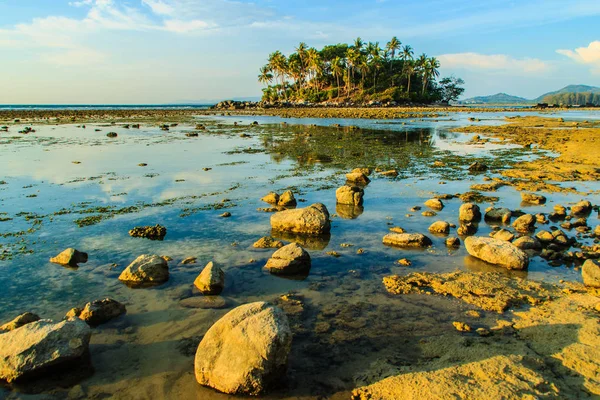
(358, 73)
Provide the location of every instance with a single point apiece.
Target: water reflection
(347, 211)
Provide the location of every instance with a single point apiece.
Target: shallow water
(187, 183)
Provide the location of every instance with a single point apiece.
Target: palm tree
(358, 44)
(363, 66)
(407, 57)
(430, 71)
(338, 70)
(410, 70)
(392, 46)
(352, 56)
(278, 64)
(265, 75)
(312, 61)
(301, 50)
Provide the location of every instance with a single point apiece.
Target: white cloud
(589, 55)
(179, 26)
(158, 7)
(492, 62)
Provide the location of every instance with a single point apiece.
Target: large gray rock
(146, 270)
(289, 260)
(469, 212)
(100, 311)
(406, 240)
(498, 252)
(313, 219)
(70, 257)
(590, 272)
(350, 195)
(245, 351)
(41, 344)
(211, 280)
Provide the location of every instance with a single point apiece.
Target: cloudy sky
(164, 51)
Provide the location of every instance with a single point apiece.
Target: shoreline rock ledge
(497, 252)
(245, 351)
(312, 220)
(39, 345)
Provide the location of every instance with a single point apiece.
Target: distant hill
(498, 98)
(569, 95)
(569, 89)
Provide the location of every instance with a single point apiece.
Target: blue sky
(161, 51)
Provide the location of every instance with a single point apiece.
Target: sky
(178, 51)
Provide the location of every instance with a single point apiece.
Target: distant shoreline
(164, 113)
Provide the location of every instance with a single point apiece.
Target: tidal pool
(71, 186)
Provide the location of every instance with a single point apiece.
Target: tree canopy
(357, 72)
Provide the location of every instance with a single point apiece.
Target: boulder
(70, 257)
(582, 208)
(406, 240)
(350, 195)
(358, 178)
(245, 351)
(469, 212)
(42, 344)
(590, 272)
(146, 269)
(19, 321)
(313, 219)
(267, 242)
(366, 171)
(527, 243)
(289, 260)
(434, 204)
(467, 228)
(211, 280)
(525, 223)
(498, 252)
(533, 198)
(100, 311)
(545, 236)
(498, 215)
(441, 227)
(271, 198)
(287, 199)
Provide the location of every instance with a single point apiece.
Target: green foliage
(357, 73)
(450, 89)
(571, 99)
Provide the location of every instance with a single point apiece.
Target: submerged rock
(533, 198)
(590, 273)
(100, 311)
(452, 242)
(498, 215)
(478, 167)
(582, 208)
(497, 252)
(42, 344)
(267, 242)
(350, 195)
(19, 321)
(146, 269)
(527, 243)
(245, 351)
(70, 257)
(525, 223)
(358, 178)
(469, 212)
(211, 280)
(287, 199)
(441, 227)
(157, 232)
(271, 198)
(467, 229)
(289, 260)
(406, 240)
(435, 204)
(313, 219)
